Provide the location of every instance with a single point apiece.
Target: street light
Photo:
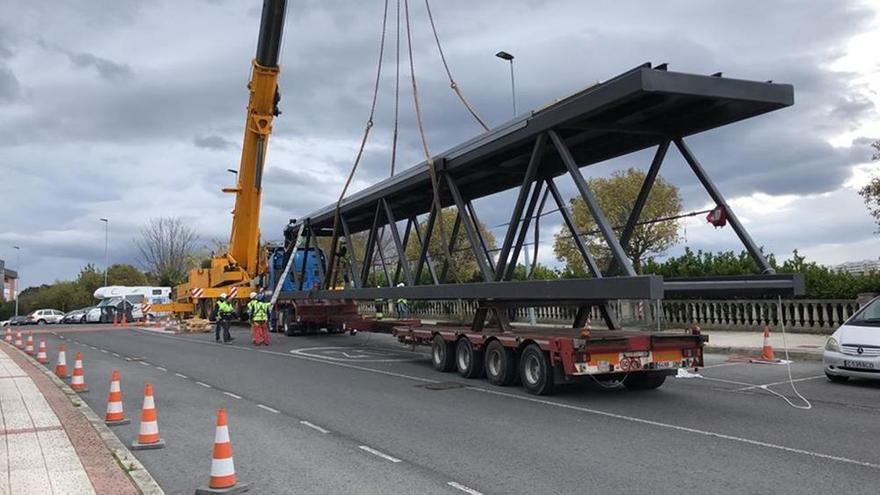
(233, 171)
(18, 270)
(506, 56)
(106, 248)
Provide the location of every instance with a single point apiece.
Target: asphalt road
(363, 414)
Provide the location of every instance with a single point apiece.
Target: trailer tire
(468, 361)
(442, 354)
(500, 364)
(645, 380)
(535, 371)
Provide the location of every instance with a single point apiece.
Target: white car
(44, 316)
(853, 351)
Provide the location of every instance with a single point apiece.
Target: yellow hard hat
(223, 296)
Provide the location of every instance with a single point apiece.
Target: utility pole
(106, 248)
(506, 56)
(18, 270)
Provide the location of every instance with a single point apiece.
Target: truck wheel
(468, 360)
(645, 380)
(535, 371)
(500, 364)
(442, 354)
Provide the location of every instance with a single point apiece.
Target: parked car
(44, 316)
(75, 316)
(853, 350)
(18, 320)
(93, 315)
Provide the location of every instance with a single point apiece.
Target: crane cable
(452, 83)
(367, 127)
(435, 186)
(396, 95)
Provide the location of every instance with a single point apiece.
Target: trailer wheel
(442, 354)
(500, 364)
(535, 371)
(468, 360)
(645, 380)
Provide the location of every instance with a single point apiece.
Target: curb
(142, 479)
(804, 355)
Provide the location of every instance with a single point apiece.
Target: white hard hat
(223, 296)
(253, 295)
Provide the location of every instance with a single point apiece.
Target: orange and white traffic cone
(115, 321)
(148, 434)
(29, 346)
(115, 416)
(61, 364)
(42, 358)
(78, 381)
(8, 337)
(18, 341)
(222, 468)
(767, 354)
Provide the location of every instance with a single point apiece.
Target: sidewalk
(801, 345)
(48, 445)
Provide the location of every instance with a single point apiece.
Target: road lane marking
(379, 454)
(261, 406)
(684, 429)
(116, 355)
(203, 384)
(145, 363)
(232, 395)
(780, 383)
(647, 422)
(314, 426)
(104, 351)
(459, 486)
(181, 375)
(161, 368)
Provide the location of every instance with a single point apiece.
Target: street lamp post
(506, 56)
(18, 270)
(106, 248)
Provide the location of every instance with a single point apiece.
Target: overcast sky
(130, 110)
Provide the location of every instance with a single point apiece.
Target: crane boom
(244, 240)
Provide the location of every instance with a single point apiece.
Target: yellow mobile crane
(236, 271)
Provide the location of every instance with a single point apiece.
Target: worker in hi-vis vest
(402, 305)
(259, 311)
(223, 312)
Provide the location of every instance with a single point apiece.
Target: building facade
(859, 267)
(10, 288)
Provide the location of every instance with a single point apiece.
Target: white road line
(145, 363)
(127, 358)
(104, 351)
(314, 426)
(181, 375)
(116, 355)
(780, 383)
(459, 486)
(719, 365)
(564, 406)
(203, 384)
(232, 395)
(685, 429)
(161, 368)
(379, 454)
(261, 406)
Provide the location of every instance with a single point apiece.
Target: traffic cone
(29, 346)
(78, 381)
(61, 365)
(18, 342)
(767, 355)
(148, 435)
(115, 321)
(123, 322)
(115, 416)
(42, 358)
(222, 468)
(8, 337)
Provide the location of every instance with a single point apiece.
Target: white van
(136, 296)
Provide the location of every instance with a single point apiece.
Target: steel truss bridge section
(646, 107)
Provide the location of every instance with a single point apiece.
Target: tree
(616, 196)
(463, 265)
(871, 192)
(167, 248)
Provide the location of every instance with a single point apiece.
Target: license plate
(858, 364)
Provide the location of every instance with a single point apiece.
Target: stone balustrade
(799, 315)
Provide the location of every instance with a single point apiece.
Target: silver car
(853, 351)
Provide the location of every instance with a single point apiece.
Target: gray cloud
(213, 142)
(77, 148)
